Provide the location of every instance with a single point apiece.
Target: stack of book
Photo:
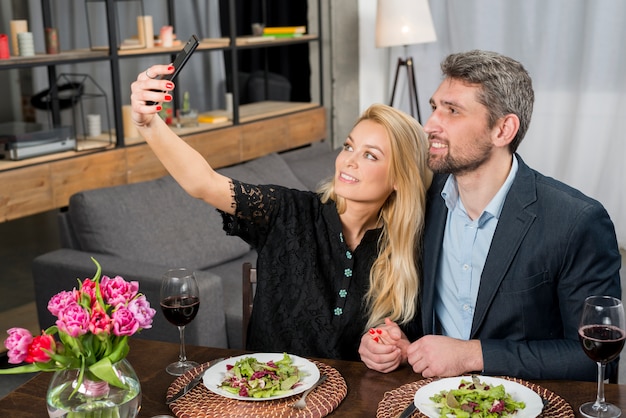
(284, 31)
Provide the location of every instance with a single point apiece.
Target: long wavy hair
(394, 277)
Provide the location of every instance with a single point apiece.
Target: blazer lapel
(435, 223)
(515, 221)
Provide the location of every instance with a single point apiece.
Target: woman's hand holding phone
(179, 62)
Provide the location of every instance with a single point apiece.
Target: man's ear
(505, 130)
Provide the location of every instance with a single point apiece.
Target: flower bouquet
(93, 324)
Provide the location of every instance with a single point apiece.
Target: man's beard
(449, 164)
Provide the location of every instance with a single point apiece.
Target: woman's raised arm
(188, 167)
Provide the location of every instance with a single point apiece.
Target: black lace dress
(310, 286)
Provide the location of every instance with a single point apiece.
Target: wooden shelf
(44, 183)
(104, 53)
(267, 41)
(247, 113)
(266, 109)
(54, 59)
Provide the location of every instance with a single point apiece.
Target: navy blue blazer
(553, 246)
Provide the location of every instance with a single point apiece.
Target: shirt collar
(450, 193)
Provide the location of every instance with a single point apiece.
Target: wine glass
(602, 332)
(180, 301)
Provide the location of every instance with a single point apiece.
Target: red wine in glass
(602, 343)
(601, 332)
(180, 302)
(180, 310)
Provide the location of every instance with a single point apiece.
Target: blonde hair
(394, 277)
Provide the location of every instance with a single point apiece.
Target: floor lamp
(404, 22)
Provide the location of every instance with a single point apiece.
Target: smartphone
(181, 59)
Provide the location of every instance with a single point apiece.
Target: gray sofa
(140, 230)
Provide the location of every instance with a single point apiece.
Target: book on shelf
(212, 118)
(278, 30)
(282, 35)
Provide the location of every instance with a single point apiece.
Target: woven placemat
(202, 403)
(394, 401)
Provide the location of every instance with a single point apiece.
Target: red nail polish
(170, 68)
(375, 339)
(159, 108)
(379, 331)
(168, 97)
(169, 86)
(372, 331)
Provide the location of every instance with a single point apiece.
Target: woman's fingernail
(169, 86)
(375, 339)
(159, 108)
(372, 331)
(380, 331)
(168, 97)
(170, 68)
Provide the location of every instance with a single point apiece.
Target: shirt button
(466, 267)
(466, 307)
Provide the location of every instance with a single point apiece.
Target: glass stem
(600, 402)
(182, 357)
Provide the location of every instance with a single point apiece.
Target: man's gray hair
(505, 86)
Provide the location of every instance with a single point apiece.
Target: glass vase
(94, 398)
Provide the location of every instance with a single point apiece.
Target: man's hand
(436, 355)
(384, 348)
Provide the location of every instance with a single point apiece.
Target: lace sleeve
(255, 207)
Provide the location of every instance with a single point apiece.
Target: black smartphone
(181, 59)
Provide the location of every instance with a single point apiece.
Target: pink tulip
(143, 313)
(73, 320)
(59, 301)
(118, 291)
(17, 343)
(124, 322)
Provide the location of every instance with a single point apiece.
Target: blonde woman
(330, 264)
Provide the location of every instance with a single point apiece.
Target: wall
(345, 76)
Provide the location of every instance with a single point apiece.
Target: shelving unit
(43, 183)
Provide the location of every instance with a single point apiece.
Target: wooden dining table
(365, 388)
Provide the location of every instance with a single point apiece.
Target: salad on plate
(248, 377)
(476, 399)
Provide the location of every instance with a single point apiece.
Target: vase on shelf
(94, 398)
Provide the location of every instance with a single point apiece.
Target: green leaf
(120, 349)
(96, 277)
(103, 369)
(27, 368)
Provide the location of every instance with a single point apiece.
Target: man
(509, 254)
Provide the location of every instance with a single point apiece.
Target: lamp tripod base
(410, 72)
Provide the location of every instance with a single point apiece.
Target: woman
(330, 264)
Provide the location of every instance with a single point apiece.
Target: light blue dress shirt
(465, 247)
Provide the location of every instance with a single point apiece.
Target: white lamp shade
(403, 22)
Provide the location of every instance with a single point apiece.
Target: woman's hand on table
(384, 348)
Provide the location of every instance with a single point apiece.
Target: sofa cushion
(312, 164)
(158, 222)
(270, 169)
(154, 221)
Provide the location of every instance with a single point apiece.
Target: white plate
(518, 392)
(214, 376)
